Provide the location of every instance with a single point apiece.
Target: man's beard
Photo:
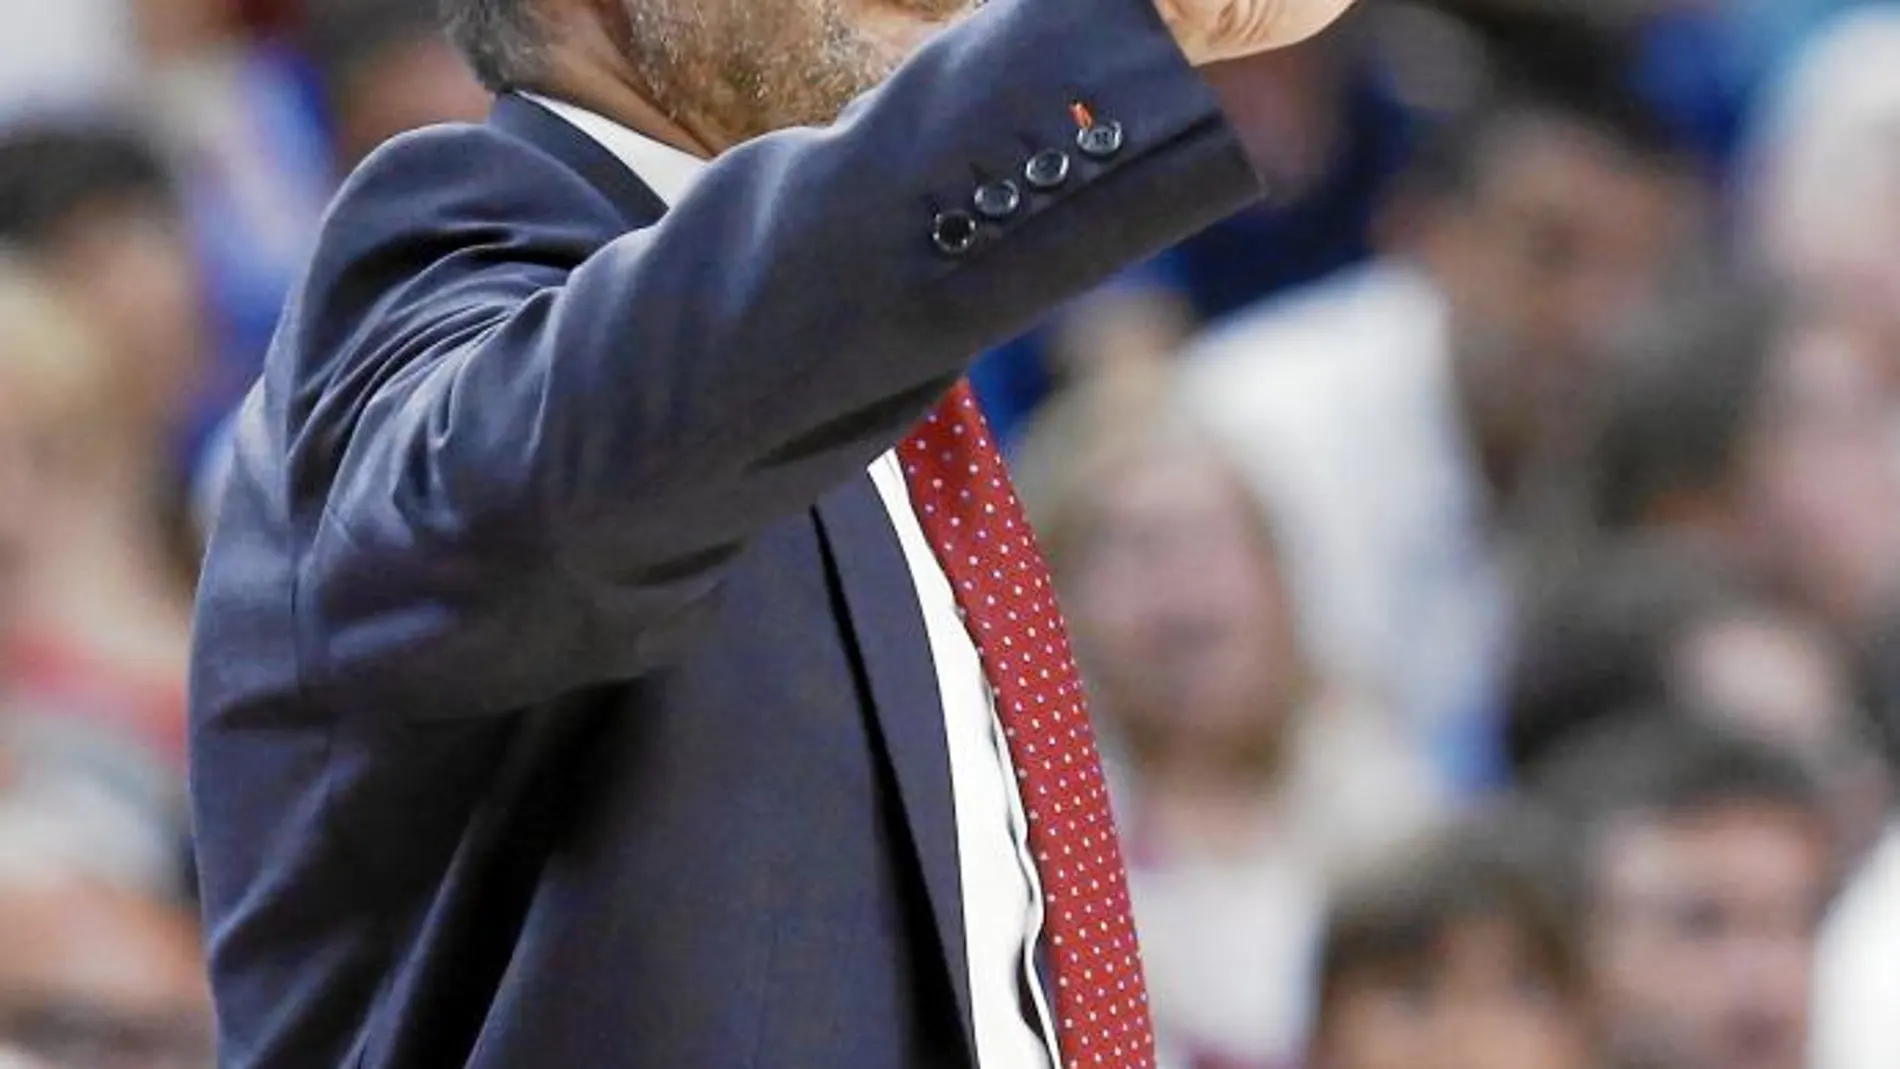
(736, 69)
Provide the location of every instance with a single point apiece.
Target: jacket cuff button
(953, 233)
(1100, 140)
(997, 200)
(1047, 170)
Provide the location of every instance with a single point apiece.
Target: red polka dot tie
(969, 510)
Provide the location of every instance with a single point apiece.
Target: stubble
(748, 67)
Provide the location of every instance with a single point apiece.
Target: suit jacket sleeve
(518, 460)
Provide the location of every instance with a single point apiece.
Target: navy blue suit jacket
(561, 699)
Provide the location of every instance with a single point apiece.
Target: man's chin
(901, 27)
(938, 12)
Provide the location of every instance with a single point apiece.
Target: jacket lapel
(894, 657)
(582, 154)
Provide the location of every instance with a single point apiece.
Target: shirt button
(1100, 140)
(998, 200)
(953, 233)
(1047, 170)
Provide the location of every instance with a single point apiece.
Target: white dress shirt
(1002, 896)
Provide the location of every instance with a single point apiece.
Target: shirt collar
(666, 170)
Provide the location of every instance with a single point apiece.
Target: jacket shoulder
(438, 235)
(420, 181)
(447, 217)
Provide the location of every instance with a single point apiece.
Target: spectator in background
(22, 445)
(385, 68)
(1244, 780)
(1824, 167)
(1744, 422)
(1333, 132)
(1659, 624)
(94, 971)
(1826, 219)
(103, 615)
(1681, 58)
(1857, 985)
(92, 204)
(74, 53)
(1461, 951)
(234, 112)
(1014, 381)
(1708, 862)
(1397, 413)
(130, 804)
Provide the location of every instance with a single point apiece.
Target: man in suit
(619, 644)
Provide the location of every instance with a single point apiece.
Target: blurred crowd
(1484, 554)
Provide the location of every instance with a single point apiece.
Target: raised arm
(493, 424)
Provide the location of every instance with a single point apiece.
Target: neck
(1189, 820)
(1212, 768)
(1209, 797)
(590, 73)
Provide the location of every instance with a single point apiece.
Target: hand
(1213, 30)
